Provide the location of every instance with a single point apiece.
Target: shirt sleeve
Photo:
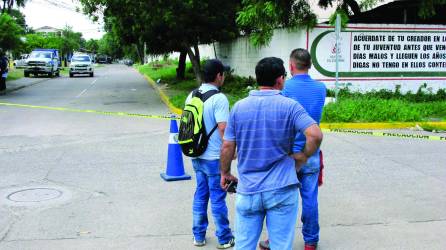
(301, 119)
(230, 127)
(221, 108)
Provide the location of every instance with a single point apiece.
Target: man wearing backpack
(215, 112)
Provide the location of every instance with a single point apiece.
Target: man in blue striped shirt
(262, 127)
(311, 95)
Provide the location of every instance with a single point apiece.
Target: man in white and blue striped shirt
(262, 127)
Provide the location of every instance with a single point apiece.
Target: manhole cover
(35, 195)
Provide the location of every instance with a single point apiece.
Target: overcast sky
(58, 14)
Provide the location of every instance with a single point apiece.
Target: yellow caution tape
(386, 134)
(167, 117)
(170, 117)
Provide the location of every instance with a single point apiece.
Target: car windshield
(80, 59)
(40, 54)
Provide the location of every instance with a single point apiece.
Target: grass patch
(235, 87)
(381, 110)
(64, 71)
(14, 74)
(433, 128)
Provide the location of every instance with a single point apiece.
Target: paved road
(103, 189)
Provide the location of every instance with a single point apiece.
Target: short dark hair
(268, 69)
(302, 58)
(212, 68)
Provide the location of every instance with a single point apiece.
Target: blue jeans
(280, 209)
(208, 186)
(308, 179)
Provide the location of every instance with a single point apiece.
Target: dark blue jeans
(208, 186)
(308, 178)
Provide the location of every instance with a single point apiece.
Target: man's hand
(225, 179)
(300, 159)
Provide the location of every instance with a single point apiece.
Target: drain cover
(35, 195)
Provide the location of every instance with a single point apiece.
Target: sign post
(338, 33)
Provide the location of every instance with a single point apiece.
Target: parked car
(43, 61)
(81, 64)
(21, 62)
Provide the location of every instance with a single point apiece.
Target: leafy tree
(92, 45)
(10, 33)
(109, 45)
(71, 41)
(50, 41)
(167, 26)
(259, 18)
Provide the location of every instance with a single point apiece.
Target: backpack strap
(208, 94)
(204, 97)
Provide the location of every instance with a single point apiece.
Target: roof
(400, 12)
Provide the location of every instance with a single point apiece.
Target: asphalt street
(72, 180)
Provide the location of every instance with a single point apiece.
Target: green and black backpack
(192, 135)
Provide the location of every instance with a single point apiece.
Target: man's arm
(314, 137)
(226, 156)
(221, 126)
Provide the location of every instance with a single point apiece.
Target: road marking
(93, 82)
(81, 93)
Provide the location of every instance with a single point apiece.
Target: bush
(423, 94)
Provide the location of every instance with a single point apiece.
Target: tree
(10, 33)
(259, 18)
(71, 41)
(167, 26)
(109, 45)
(92, 45)
(8, 4)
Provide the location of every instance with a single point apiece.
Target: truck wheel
(91, 74)
(71, 74)
(50, 74)
(58, 73)
(26, 74)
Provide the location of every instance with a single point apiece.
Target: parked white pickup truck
(42, 61)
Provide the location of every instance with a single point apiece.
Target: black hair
(302, 58)
(268, 69)
(212, 68)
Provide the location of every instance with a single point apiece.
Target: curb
(163, 95)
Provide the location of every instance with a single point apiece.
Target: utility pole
(338, 33)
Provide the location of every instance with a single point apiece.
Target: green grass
(14, 74)
(382, 110)
(64, 71)
(433, 128)
(178, 90)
